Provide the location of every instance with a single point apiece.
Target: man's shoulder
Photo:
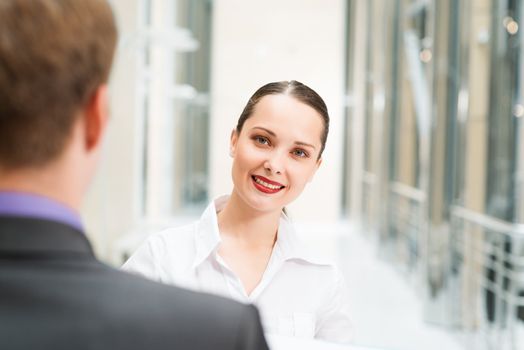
(149, 291)
(95, 303)
(170, 312)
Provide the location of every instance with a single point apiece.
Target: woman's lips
(265, 185)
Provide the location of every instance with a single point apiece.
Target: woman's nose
(275, 163)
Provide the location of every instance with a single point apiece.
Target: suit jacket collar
(30, 236)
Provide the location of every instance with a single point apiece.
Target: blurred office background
(420, 197)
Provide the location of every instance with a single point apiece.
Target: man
(55, 57)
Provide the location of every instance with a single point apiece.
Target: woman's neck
(246, 225)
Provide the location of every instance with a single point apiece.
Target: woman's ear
(233, 143)
(319, 161)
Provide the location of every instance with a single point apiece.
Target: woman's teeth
(265, 184)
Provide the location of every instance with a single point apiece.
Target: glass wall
(442, 173)
(174, 41)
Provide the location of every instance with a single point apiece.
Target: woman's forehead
(286, 116)
(283, 108)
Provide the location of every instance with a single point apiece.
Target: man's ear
(96, 117)
(233, 142)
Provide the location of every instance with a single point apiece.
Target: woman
(244, 246)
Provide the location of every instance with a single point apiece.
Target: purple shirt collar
(29, 205)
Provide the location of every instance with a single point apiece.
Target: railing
(487, 263)
(407, 229)
(369, 188)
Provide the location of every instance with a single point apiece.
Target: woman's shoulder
(321, 267)
(303, 252)
(176, 241)
(166, 255)
(176, 234)
(309, 261)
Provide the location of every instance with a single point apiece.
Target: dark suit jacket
(54, 294)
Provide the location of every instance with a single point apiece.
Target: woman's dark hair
(294, 89)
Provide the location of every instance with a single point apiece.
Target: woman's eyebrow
(299, 143)
(266, 130)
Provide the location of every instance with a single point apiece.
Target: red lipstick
(265, 185)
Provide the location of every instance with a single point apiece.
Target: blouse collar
(288, 246)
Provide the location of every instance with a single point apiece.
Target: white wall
(256, 42)
(111, 205)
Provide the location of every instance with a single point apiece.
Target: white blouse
(298, 295)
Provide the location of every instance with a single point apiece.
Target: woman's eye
(261, 140)
(300, 153)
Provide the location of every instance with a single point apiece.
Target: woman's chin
(263, 202)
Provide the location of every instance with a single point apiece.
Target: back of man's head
(54, 54)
